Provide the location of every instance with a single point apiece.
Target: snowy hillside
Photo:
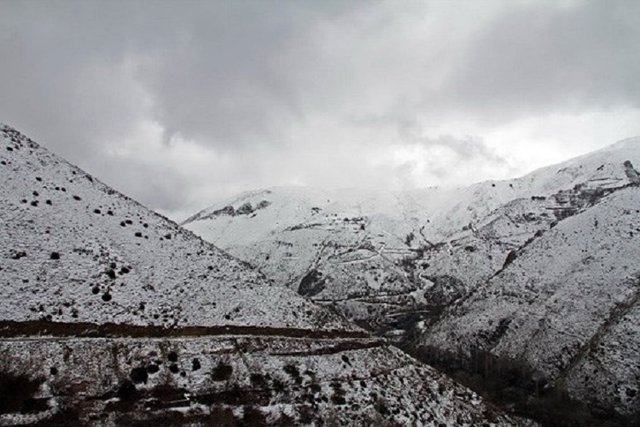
(391, 261)
(567, 308)
(74, 250)
(526, 289)
(114, 315)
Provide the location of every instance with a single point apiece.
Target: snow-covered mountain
(566, 310)
(113, 315)
(383, 258)
(394, 262)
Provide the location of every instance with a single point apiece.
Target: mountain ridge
(417, 267)
(230, 200)
(420, 224)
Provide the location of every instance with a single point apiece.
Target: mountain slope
(114, 315)
(567, 308)
(78, 251)
(525, 289)
(392, 261)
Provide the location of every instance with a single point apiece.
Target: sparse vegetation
(222, 372)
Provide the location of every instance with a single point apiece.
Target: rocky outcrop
(244, 209)
(632, 174)
(312, 284)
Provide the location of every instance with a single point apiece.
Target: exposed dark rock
(511, 256)
(126, 390)
(16, 392)
(139, 375)
(18, 255)
(631, 173)
(244, 209)
(445, 290)
(222, 372)
(312, 284)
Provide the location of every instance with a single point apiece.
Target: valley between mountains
(527, 290)
(114, 315)
(502, 303)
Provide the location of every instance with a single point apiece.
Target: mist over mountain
(320, 213)
(534, 275)
(191, 101)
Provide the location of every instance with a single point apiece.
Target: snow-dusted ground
(567, 306)
(74, 250)
(114, 315)
(209, 380)
(540, 270)
(389, 259)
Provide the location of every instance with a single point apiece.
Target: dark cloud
(534, 58)
(177, 102)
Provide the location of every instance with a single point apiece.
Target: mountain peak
(128, 267)
(396, 263)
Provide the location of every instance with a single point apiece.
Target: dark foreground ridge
(226, 380)
(11, 329)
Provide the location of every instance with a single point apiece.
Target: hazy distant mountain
(558, 244)
(112, 314)
(386, 258)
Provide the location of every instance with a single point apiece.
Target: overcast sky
(180, 103)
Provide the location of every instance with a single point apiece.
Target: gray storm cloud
(176, 103)
(535, 59)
